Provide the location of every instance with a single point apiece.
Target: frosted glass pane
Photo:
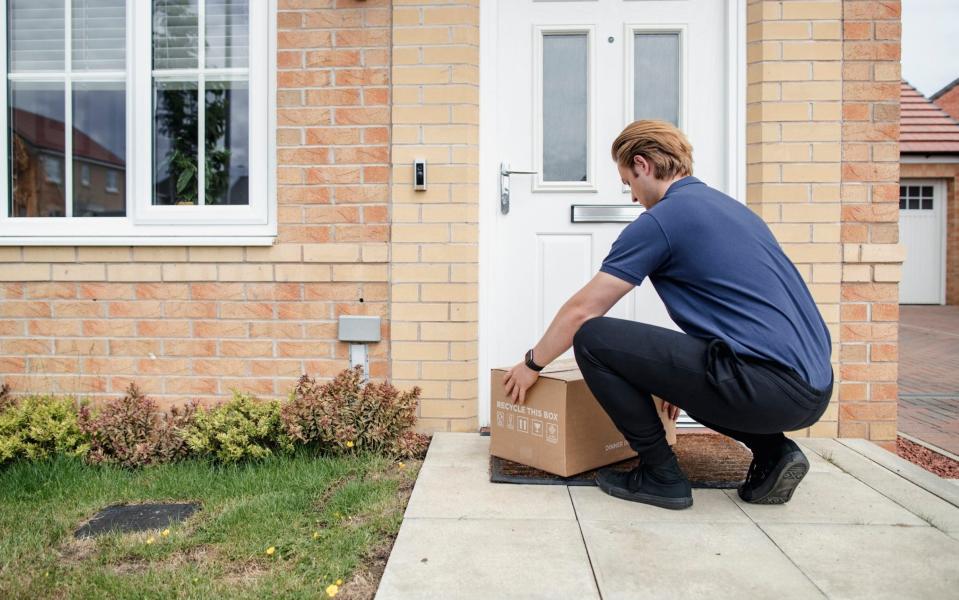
(176, 40)
(227, 33)
(656, 76)
(565, 107)
(36, 37)
(99, 35)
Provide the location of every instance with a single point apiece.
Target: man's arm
(594, 300)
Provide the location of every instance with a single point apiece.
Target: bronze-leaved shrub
(34, 427)
(346, 413)
(130, 431)
(244, 427)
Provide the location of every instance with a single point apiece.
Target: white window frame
(254, 224)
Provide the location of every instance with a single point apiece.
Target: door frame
(939, 194)
(489, 161)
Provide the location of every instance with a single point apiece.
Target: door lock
(504, 174)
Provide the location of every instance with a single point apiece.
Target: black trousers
(754, 401)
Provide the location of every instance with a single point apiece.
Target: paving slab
(466, 493)
(458, 450)
(831, 498)
(489, 559)
(915, 499)
(817, 464)
(592, 504)
(691, 560)
(872, 562)
(914, 473)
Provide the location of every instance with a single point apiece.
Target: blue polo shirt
(721, 273)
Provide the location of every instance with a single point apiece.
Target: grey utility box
(359, 328)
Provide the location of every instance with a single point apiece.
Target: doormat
(710, 460)
(134, 517)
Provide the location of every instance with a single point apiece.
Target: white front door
(569, 75)
(922, 213)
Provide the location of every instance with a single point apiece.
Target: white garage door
(922, 217)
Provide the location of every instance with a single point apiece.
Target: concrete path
(929, 374)
(863, 524)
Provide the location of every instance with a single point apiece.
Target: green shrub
(34, 427)
(131, 432)
(242, 428)
(345, 413)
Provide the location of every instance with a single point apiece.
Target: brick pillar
(872, 257)
(434, 254)
(794, 99)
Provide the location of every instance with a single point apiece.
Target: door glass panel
(565, 107)
(656, 76)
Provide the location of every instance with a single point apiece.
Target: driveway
(929, 374)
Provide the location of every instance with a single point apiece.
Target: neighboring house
(37, 177)
(310, 118)
(948, 99)
(928, 201)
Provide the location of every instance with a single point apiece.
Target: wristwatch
(529, 361)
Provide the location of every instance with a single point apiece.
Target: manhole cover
(135, 517)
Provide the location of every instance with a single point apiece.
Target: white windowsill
(258, 240)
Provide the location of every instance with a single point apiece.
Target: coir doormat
(710, 460)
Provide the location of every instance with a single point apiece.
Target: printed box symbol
(552, 433)
(509, 421)
(499, 419)
(522, 424)
(537, 428)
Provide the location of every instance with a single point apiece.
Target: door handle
(504, 173)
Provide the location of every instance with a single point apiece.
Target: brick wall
(434, 273)
(794, 96)
(950, 173)
(870, 221)
(822, 135)
(192, 322)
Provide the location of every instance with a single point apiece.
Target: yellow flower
(270, 551)
(150, 540)
(339, 582)
(402, 466)
(165, 532)
(316, 535)
(332, 589)
(349, 444)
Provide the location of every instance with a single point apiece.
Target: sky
(930, 43)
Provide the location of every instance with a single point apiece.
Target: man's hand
(671, 410)
(517, 380)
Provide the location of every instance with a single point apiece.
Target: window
(915, 197)
(161, 109)
(111, 185)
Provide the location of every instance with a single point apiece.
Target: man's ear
(641, 164)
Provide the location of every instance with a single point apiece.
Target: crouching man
(753, 359)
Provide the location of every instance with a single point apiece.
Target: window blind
(36, 35)
(99, 35)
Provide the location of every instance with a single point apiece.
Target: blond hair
(660, 143)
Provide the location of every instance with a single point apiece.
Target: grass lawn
(327, 518)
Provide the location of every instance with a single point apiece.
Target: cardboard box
(561, 428)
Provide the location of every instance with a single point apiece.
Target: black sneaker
(662, 485)
(772, 478)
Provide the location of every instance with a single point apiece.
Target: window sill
(249, 240)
